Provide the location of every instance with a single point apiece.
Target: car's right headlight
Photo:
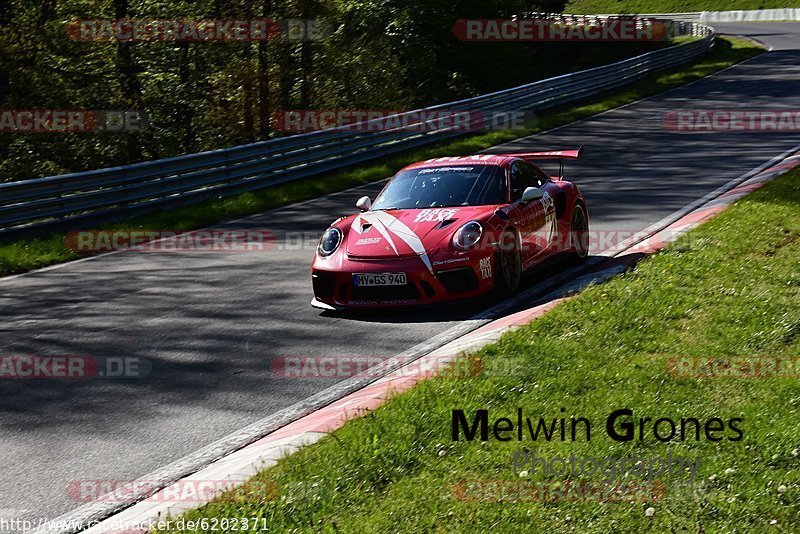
(329, 241)
(468, 235)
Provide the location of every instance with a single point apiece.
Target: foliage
(380, 54)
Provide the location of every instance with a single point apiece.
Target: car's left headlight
(468, 235)
(329, 241)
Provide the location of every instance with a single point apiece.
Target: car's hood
(392, 233)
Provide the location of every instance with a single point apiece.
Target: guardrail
(691, 16)
(707, 17)
(59, 203)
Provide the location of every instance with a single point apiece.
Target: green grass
(729, 288)
(671, 6)
(30, 253)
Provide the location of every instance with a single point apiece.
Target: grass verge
(30, 253)
(730, 288)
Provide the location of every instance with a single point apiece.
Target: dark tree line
(380, 54)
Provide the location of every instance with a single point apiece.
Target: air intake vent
(446, 222)
(458, 280)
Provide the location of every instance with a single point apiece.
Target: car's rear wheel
(508, 263)
(579, 232)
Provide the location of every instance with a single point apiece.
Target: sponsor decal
(369, 241)
(549, 216)
(435, 215)
(553, 153)
(388, 225)
(458, 159)
(547, 201)
(485, 265)
(434, 170)
(451, 261)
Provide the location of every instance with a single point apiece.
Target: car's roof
(477, 159)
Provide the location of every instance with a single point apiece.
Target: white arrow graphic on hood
(384, 223)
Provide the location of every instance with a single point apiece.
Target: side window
(522, 177)
(494, 192)
(541, 176)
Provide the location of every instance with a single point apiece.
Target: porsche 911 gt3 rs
(450, 228)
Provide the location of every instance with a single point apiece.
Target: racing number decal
(549, 216)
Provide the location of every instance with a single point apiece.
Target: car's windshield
(460, 185)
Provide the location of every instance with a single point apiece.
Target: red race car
(450, 228)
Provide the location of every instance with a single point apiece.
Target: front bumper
(452, 279)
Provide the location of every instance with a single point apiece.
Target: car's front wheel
(508, 263)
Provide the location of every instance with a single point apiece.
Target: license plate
(379, 279)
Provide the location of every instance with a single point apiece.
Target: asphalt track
(210, 324)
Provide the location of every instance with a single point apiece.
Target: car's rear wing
(554, 154)
(560, 155)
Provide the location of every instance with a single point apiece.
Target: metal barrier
(708, 17)
(68, 201)
(692, 16)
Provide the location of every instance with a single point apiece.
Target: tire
(508, 264)
(579, 233)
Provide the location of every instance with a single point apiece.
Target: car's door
(550, 230)
(528, 217)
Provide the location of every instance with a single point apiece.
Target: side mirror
(532, 193)
(364, 203)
